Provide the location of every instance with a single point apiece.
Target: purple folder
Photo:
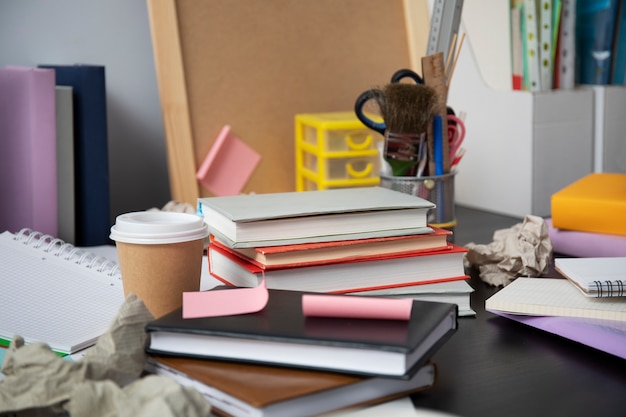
(606, 335)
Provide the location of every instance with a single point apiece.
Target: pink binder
(28, 170)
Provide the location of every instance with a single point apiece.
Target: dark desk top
(497, 367)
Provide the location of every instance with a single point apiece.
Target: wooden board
(254, 65)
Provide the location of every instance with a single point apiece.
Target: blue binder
(91, 151)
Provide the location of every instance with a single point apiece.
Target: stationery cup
(160, 256)
(438, 189)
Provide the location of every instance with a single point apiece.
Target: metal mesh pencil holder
(436, 189)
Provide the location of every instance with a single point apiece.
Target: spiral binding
(609, 288)
(67, 251)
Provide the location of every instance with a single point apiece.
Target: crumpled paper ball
(522, 250)
(106, 382)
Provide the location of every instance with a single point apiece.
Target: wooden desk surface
(496, 367)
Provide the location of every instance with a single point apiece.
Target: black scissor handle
(406, 73)
(358, 109)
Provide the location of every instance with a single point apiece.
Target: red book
(318, 253)
(373, 272)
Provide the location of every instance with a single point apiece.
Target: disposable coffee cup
(160, 256)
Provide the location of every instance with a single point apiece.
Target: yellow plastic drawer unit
(335, 132)
(335, 150)
(307, 184)
(343, 168)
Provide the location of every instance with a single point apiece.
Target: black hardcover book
(281, 335)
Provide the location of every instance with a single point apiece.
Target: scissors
(377, 94)
(456, 134)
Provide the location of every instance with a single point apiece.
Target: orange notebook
(595, 203)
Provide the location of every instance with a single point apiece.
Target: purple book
(586, 244)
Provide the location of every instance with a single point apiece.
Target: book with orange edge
(595, 203)
(245, 389)
(317, 253)
(374, 272)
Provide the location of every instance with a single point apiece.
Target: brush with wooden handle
(408, 110)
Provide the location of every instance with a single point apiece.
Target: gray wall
(116, 34)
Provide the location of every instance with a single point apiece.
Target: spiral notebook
(55, 293)
(595, 277)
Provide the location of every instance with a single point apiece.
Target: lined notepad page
(45, 298)
(554, 297)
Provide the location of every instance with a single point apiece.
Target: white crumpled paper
(105, 382)
(522, 250)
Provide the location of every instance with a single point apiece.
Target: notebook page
(48, 299)
(554, 297)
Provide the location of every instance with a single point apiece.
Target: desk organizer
(436, 189)
(609, 128)
(335, 150)
(522, 147)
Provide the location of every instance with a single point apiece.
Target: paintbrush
(407, 110)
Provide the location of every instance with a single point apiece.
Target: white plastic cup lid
(158, 227)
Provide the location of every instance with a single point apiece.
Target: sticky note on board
(228, 165)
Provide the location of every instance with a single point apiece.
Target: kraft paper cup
(160, 256)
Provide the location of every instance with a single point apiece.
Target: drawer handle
(365, 172)
(359, 146)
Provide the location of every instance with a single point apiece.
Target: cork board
(254, 65)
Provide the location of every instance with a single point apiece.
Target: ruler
(444, 26)
(433, 73)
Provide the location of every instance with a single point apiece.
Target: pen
(438, 144)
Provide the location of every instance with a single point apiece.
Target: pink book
(28, 180)
(586, 244)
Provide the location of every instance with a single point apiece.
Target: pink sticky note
(228, 165)
(214, 303)
(353, 306)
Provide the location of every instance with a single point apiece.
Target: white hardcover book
(314, 216)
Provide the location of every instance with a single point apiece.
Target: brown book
(241, 389)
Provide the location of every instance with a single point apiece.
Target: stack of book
(586, 217)
(362, 241)
(283, 361)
